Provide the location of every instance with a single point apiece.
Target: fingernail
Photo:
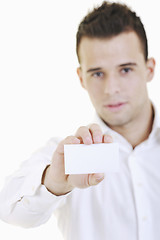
(97, 139)
(99, 177)
(88, 140)
(108, 138)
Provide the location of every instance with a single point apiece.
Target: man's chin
(115, 122)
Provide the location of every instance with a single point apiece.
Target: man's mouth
(115, 106)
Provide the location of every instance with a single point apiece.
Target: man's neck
(137, 132)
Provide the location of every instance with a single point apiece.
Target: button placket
(141, 203)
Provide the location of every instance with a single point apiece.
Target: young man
(114, 69)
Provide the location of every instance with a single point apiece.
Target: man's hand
(54, 177)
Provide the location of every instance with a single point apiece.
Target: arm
(40, 186)
(24, 201)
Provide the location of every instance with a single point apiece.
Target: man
(114, 69)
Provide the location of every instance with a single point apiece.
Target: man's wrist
(57, 189)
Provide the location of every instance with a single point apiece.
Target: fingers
(85, 135)
(96, 133)
(90, 134)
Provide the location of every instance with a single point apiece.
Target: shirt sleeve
(24, 201)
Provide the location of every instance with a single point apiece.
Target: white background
(40, 94)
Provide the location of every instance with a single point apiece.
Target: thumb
(95, 178)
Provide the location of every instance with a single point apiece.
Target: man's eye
(98, 75)
(126, 70)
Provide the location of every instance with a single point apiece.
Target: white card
(94, 158)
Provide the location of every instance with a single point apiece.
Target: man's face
(115, 74)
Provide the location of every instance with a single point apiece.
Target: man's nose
(112, 85)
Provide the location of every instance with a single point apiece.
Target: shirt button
(144, 219)
(26, 201)
(139, 184)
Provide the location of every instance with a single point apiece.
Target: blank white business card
(94, 158)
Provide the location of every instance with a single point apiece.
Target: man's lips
(115, 106)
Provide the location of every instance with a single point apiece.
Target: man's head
(114, 65)
(108, 20)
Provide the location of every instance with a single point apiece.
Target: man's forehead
(99, 49)
(88, 42)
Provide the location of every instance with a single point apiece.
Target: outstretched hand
(54, 177)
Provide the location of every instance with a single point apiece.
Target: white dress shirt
(125, 205)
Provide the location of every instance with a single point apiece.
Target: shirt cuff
(43, 201)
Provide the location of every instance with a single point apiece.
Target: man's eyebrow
(121, 65)
(94, 69)
(127, 64)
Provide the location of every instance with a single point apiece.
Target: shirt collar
(156, 122)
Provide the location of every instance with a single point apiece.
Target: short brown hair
(111, 19)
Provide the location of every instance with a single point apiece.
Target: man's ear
(151, 63)
(79, 72)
